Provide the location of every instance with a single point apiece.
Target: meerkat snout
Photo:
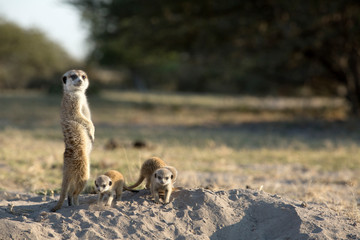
(77, 82)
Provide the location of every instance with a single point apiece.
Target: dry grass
(300, 148)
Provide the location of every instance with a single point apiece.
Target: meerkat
(112, 183)
(162, 182)
(146, 171)
(79, 135)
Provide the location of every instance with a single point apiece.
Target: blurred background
(276, 48)
(255, 94)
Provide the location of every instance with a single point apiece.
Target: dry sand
(191, 214)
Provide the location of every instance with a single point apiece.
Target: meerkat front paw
(91, 133)
(156, 199)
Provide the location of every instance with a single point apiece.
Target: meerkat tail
(129, 189)
(139, 181)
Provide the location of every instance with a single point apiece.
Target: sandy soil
(191, 214)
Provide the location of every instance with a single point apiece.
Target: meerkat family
(112, 183)
(79, 135)
(160, 178)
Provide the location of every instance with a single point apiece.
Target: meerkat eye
(64, 79)
(104, 185)
(167, 178)
(83, 77)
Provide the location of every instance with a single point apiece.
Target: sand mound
(192, 214)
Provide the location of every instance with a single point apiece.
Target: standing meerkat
(79, 135)
(147, 169)
(162, 182)
(112, 183)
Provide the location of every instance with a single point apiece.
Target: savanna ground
(304, 149)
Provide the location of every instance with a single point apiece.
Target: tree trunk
(353, 82)
(349, 76)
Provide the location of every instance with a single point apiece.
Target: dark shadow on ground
(264, 221)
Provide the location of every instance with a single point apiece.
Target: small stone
(303, 205)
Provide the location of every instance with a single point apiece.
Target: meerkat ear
(155, 175)
(110, 183)
(64, 79)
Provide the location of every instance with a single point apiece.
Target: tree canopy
(28, 58)
(260, 46)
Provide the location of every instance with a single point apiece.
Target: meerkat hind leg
(119, 191)
(148, 182)
(76, 200)
(118, 197)
(71, 196)
(77, 192)
(64, 190)
(70, 200)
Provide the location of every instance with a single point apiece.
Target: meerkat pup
(112, 184)
(162, 182)
(79, 135)
(146, 171)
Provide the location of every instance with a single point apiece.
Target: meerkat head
(75, 80)
(163, 176)
(102, 183)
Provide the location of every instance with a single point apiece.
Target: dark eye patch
(74, 76)
(64, 79)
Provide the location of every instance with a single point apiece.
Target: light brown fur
(162, 182)
(79, 135)
(146, 171)
(112, 184)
